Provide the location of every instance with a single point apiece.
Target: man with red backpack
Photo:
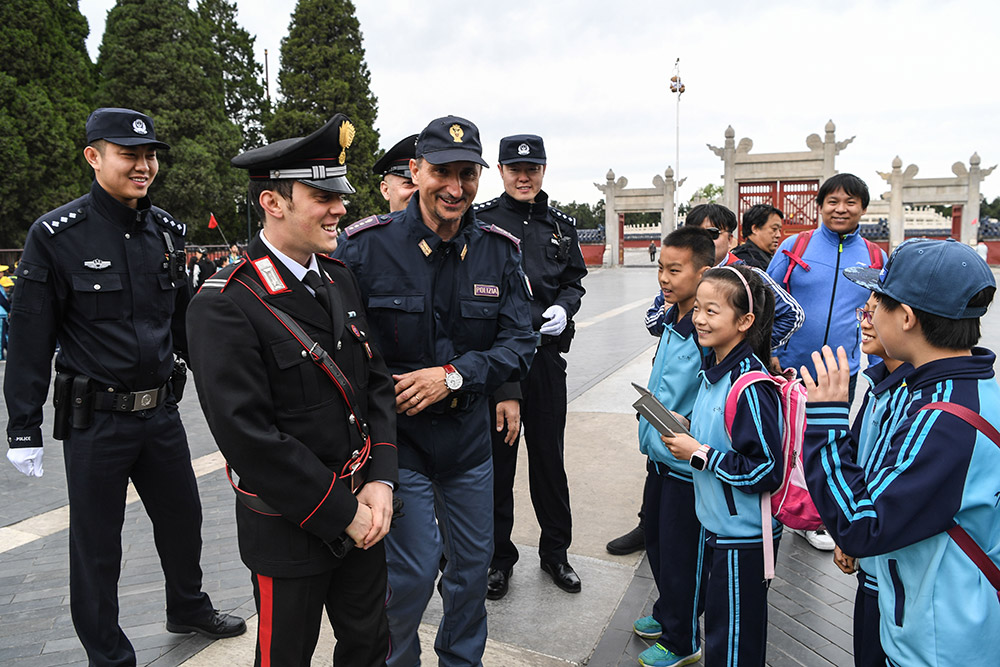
(809, 266)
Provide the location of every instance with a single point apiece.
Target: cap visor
(515, 160)
(455, 155)
(337, 184)
(864, 276)
(137, 141)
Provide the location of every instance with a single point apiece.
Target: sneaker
(632, 541)
(657, 656)
(647, 628)
(818, 539)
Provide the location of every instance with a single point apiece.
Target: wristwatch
(699, 459)
(452, 378)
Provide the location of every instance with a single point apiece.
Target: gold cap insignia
(457, 133)
(347, 132)
(424, 248)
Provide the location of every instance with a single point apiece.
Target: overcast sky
(915, 79)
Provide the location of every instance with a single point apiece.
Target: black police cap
(397, 159)
(123, 127)
(318, 160)
(450, 139)
(522, 148)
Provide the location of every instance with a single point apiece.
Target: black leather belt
(130, 401)
(459, 402)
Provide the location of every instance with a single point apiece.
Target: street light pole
(677, 86)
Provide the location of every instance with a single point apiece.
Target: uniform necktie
(318, 285)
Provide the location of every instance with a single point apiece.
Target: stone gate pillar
(895, 180)
(668, 221)
(970, 214)
(611, 249)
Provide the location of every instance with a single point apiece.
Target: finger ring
(416, 398)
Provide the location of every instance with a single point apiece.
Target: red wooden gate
(796, 199)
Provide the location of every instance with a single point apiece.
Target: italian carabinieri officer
(302, 407)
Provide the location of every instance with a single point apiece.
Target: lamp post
(676, 86)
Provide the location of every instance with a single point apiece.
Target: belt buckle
(144, 400)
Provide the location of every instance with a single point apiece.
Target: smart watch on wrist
(699, 459)
(452, 378)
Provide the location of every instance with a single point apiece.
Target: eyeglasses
(864, 315)
(713, 231)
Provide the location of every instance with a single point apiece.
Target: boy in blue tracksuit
(732, 316)
(881, 411)
(675, 541)
(936, 471)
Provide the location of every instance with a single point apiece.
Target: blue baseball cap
(937, 277)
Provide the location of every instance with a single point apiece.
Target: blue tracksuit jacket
(727, 492)
(937, 608)
(828, 297)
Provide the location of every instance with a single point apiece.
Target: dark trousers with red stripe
(290, 610)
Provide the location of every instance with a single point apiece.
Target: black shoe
(218, 626)
(563, 575)
(632, 541)
(499, 581)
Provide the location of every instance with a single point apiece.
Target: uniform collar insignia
(97, 264)
(465, 250)
(269, 275)
(424, 248)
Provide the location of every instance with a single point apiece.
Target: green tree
(706, 194)
(157, 57)
(587, 216)
(46, 84)
(242, 75)
(323, 72)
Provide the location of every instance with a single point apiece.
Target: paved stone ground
(536, 625)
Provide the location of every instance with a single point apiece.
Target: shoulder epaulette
(220, 280)
(559, 215)
(164, 219)
(367, 223)
(486, 205)
(504, 233)
(64, 216)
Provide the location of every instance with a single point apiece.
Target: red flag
(212, 223)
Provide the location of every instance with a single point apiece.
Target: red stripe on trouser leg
(265, 619)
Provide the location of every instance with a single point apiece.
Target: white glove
(28, 460)
(556, 316)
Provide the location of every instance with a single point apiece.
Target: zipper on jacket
(833, 295)
(898, 593)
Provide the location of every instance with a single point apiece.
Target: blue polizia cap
(937, 277)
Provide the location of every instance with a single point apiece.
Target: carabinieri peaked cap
(123, 127)
(319, 160)
(397, 159)
(450, 139)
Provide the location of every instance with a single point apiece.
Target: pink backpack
(791, 504)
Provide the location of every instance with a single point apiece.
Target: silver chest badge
(97, 264)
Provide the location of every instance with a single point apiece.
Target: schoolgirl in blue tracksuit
(732, 316)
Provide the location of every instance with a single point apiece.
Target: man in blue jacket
(815, 281)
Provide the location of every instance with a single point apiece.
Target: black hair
(283, 187)
(849, 183)
(757, 216)
(759, 334)
(720, 216)
(698, 240)
(944, 332)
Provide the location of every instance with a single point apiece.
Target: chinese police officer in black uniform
(394, 167)
(302, 408)
(449, 309)
(104, 276)
(554, 264)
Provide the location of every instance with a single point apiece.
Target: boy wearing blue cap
(924, 508)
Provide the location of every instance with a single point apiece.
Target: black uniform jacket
(550, 250)
(278, 418)
(432, 302)
(93, 277)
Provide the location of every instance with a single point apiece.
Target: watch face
(453, 380)
(698, 461)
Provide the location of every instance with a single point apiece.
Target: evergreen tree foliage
(323, 72)
(157, 57)
(46, 85)
(242, 75)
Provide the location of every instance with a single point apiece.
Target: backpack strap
(795, 256)
(956, 532)
(766, 532)
(874, 254)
